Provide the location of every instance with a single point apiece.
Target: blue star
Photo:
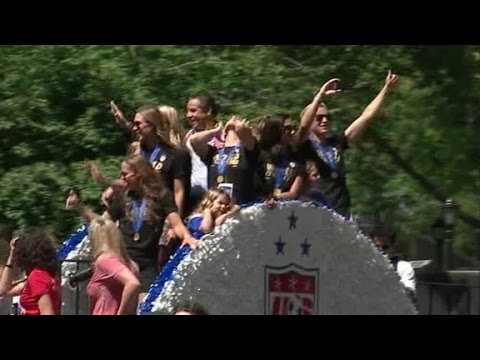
(293, 220)
(280, 244)
(305, 247)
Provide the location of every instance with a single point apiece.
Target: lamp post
(449, 217)
(438, 235)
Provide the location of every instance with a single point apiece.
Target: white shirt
(199, 175)
(407, 275)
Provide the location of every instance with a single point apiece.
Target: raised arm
(357, 128)
(96, 173)
(7, 286)
(245, 134)
(308, 115)
(120, 119)
(74, 202)
(200, 140)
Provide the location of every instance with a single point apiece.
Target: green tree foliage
(54, 113)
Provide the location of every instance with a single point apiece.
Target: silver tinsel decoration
(295, 259)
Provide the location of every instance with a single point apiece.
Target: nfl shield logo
(291, 290)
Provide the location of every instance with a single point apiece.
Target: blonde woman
(114, 286)
(168, 112)
(171, 114)
(158, 139)
(174, 165)
(153, 130)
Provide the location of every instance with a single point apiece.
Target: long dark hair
(159, 121)
(151, 182)
(271, 135)
(35, 249)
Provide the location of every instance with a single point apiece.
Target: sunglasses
(319, 118)
(138, 124)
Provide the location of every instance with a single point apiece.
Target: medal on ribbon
(328, 154)
(153, 156)
(280, 175)
(138, 213)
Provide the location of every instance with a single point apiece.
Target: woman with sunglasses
(141, 209)
(280, 168)
(327, 150)
(157, 133)
(159, 141)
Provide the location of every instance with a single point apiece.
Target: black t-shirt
(240, 165)
(172, 164)
(328, 156)
(280, 174)
(145, 250)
